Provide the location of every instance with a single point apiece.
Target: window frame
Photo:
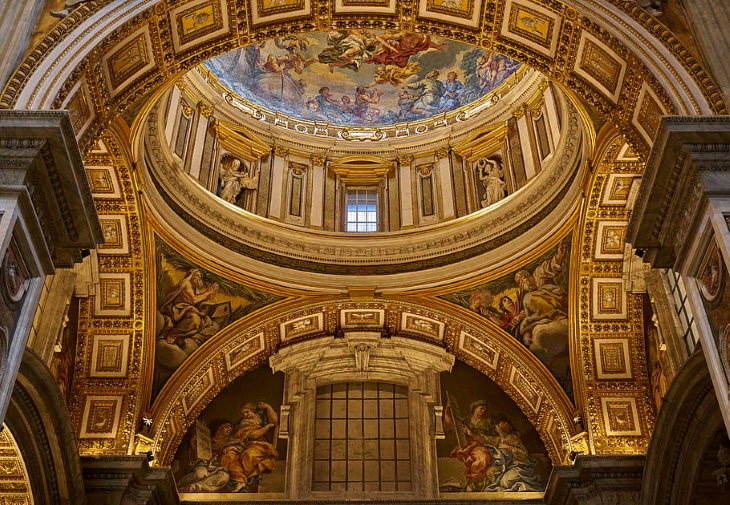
(379, 207)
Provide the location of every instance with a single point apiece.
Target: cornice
(379, 253)
(678, 174)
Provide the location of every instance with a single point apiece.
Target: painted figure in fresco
(536, 313)
(187, 318)
(204, 476)
(516, 469)
(430, 90)
(327, 107)
(393, 75)
(493, 68)
(207, 476)
(348, 49)
(292, 43)
(509, 315)
(491, 176)
(251, 452)
(544, 327)
(398, 47)
(473, 450)
(364, 97)
(453, 90)
(406, 100)
(234, 179)
(346, 106)
(494, 456)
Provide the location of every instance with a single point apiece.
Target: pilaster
(682, 221)
(47, 217)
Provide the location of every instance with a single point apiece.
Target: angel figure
(234, 178)
(394, 75)
(491, 176)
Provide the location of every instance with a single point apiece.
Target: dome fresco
(361, 78)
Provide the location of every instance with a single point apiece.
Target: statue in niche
(235, 177)
(491, 176)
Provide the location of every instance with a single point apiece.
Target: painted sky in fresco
(361, 78)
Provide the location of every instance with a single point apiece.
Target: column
(709, 21)
(682, 221)
(551, 114)
(198, 140)
(172, 110)
(47, 217)
(316, 211)
(523, 129)
(17, 21)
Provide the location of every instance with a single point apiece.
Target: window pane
(361, 448)
(362, 210)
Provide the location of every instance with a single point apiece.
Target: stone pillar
(682, 221)
(47, 217)
(526, 144)
(709, 21)
(277, 188)
(198, 139)
(443, 168)
(17, 20)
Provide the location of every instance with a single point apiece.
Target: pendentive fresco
(193, 304)
(531, 304)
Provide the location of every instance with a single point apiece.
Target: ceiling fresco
(361, 78)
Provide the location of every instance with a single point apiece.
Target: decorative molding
(674, 184)
(490, 351)
(361, 169)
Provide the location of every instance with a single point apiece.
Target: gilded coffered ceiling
(110, 58)
(630, 83)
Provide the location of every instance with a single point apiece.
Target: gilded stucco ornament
(75, 56)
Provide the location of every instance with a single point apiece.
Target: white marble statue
(235, 177)
(491, 176)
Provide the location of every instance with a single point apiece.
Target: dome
(362, 187)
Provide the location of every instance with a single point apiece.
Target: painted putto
(361, 77)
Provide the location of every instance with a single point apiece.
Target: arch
(652, 73)
(479, 343)
(688, 420)
(40, 423)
